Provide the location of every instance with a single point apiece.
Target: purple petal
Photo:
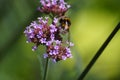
(54, 60)
(69, 55)
(45, 55)
(34, 48)
(64, 57)
(58, 42)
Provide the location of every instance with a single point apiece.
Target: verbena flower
(57, 51)
(56, 7)
(40, 32)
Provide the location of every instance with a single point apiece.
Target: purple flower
(58, 52)
(55, 21)
(58, 42)
(40, 32)
(57, 7)
(34, 48)
(54, 60)
(70, 43)
(54, 52)
(68, 50)
(54, 2)
(28, 40)
(56, 47)
(51, 52)
(53, 28)
(48, 43)
(43, 40)
(69, 55)
(64, 57)
(45, 55)
(52, 37)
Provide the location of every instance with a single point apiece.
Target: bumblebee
(65, 23)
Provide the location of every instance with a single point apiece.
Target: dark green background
(92, 22)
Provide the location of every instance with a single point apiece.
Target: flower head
(56, 7)
(37, 30)
(49, 35)
(56, 51)
(40, 32)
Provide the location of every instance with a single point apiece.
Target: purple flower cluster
(56, 7)
(40, 32)
(57, 51)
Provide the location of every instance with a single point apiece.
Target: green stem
(69, 38)
(46, 69)
(99, 52)
(69, 35)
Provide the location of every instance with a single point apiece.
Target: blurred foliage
(92, 22)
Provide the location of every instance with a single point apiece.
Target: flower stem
(41, 67)
(69, 38)
(46, 69)
(99, 52)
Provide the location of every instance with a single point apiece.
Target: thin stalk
(41, 67)
(69, 35)
(46, 69)
(69, 38)
(99, 52)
